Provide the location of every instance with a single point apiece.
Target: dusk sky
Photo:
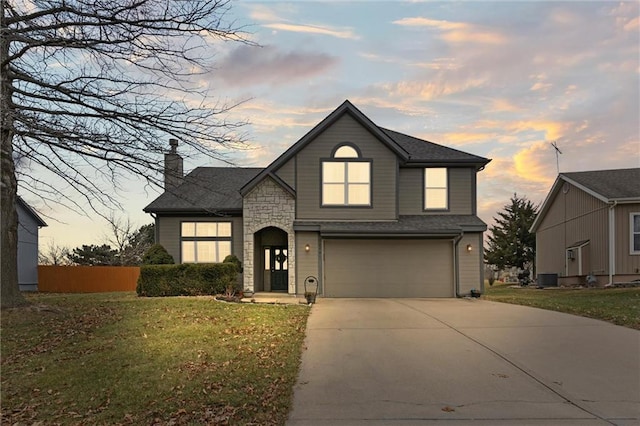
(501, 80)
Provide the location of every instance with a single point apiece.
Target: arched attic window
(346, 178)
(346, 151)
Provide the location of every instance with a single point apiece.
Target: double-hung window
(346, 179)
(436, 191)
(205, 242)
(634, 226)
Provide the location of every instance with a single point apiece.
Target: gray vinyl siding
(469, 263)
(626, 263)
(307, 263)
(461, 191)
(287, 172)
(27, 250)
(410, 191)
(383, 180)
(168, 233)
(573, 216)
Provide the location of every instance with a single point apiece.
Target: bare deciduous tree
(130, 242)
(122, 231)
(54, 254)
(91, 91)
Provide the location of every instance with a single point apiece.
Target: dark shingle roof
(607, 185)
(611, 184)
(408, 224)
(212, 189)
(420, 150)
(206, 189)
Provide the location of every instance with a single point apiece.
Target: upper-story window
(436, 188)
(205, 242)
(635, 233)
(346, 178)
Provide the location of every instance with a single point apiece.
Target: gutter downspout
(156, 232)
(456, 272)
(612, 242)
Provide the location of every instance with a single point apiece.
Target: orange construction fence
(87, 279)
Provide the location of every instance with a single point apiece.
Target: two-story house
(367, 211)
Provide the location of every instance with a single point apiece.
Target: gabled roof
(609, 186)
(346, 108)
(31, 212)
(425, 152)
(408, 148)
(206, 190)
(220, 189)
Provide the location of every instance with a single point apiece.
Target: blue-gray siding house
(29, 222)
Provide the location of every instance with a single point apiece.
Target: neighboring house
(368, 211)
(589, 224)
(29, 222)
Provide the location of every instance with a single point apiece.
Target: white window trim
(632, 233)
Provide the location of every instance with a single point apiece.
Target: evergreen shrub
(187, 279)
(157, 255)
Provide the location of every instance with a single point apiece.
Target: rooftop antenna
(554, 144)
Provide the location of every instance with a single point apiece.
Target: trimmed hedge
(187, 279)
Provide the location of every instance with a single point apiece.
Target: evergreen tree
(93, 255)
(510, 244)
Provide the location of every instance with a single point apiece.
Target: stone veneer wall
(268, 204)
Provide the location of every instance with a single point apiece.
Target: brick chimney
(173, 173)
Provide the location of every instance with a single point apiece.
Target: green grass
(116, 358)
(619, 306)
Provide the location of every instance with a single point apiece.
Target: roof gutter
(372, 234)
(456, 268)
(612, 241)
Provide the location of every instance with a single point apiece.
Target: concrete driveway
(456, 361)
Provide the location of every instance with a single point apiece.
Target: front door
(279, 269)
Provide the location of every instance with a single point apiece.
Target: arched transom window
(346, 178)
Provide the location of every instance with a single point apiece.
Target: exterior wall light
(469, 248)
(307, 248)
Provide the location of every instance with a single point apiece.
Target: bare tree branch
(92, 90)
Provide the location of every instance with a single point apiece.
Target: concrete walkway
(448, 361)
(275, 298)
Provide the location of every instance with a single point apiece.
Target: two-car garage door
(388, 268)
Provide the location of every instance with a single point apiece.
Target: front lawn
(117, 358)
(619, 306)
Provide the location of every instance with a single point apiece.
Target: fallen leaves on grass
(125, 360)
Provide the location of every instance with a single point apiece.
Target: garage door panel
(388, 268)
